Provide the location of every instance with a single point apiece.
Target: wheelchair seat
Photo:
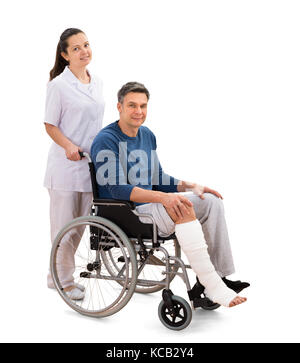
(121, 213)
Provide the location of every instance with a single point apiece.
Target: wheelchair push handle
(84, 154)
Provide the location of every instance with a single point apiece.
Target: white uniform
(77, 110)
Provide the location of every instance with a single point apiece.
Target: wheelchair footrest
(196, 291)
(85, 274)
(204, 303)
(167, 298)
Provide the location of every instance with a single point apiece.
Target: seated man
(127, 168)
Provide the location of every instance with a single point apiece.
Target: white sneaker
(75, 294)
(80, 287)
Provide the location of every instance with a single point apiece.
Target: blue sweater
(123, 162)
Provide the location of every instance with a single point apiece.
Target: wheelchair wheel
(182, 313)
(87, 237)
(151, 269)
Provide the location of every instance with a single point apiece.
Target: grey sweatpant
(210, 213)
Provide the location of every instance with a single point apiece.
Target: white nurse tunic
(77, 110)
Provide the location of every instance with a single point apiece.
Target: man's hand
(177, 203)
(200, 190)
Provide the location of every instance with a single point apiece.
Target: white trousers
(65, 206)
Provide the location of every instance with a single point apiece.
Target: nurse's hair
(132, 87)
(60, 62)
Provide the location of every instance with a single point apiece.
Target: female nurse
(73, 117)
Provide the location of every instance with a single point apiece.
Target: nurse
(73, 117)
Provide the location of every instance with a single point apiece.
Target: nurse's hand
(72, 152)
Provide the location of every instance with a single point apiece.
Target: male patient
(127, 167)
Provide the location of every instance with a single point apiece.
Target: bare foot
(237, 300)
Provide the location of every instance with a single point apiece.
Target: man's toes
(237, 300)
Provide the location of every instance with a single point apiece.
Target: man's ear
(119, 107)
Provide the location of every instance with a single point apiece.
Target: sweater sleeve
(161, 181)
(110, 173)
(167, 183)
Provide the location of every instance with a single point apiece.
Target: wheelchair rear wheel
(151, 268)
(154, 268)
(87, 237)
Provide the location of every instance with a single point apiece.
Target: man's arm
(178, 203)
(174, 185)
(184, 186)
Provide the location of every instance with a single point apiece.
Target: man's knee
(187, 215)
(213, 201)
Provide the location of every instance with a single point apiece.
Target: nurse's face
(79, 53)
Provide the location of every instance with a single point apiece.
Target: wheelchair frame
(174, 312)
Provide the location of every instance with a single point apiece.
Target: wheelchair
(116, 255)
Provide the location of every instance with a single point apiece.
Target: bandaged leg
(192, 242)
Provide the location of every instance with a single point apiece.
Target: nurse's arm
(60, 139)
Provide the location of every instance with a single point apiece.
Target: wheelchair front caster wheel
(181, 316)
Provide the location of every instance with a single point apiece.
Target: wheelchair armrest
(116, 202)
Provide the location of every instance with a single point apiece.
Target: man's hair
(132, 87)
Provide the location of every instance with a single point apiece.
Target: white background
(224, 79)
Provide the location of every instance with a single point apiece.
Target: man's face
(133, 109)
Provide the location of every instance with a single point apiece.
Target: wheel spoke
(155, 267)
